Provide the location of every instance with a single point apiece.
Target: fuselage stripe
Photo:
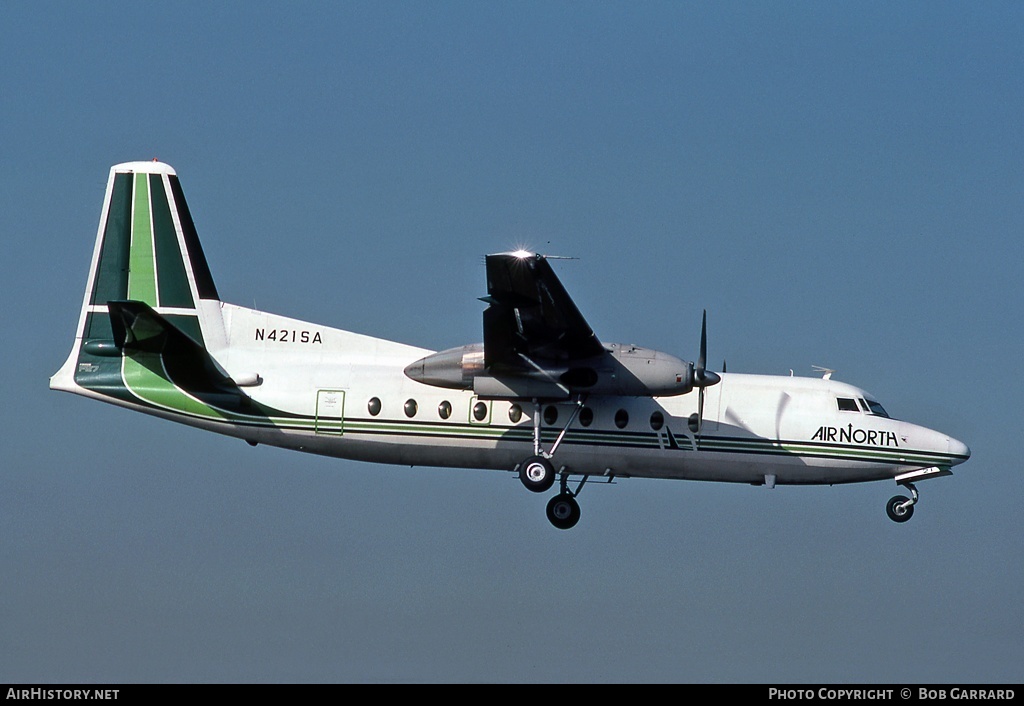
(412, 429)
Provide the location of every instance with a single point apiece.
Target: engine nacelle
(622, 370)
(642, 371)
(454, 368)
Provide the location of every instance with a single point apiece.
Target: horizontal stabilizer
(138, 329)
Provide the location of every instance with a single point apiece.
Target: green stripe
(145, 377)
(141, 266)
(200, 268)
(171, 279)
(111, 280)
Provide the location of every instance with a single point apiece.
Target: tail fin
(147, 251)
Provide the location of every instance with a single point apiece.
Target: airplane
(541, 397)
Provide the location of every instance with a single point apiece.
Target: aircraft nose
(958, 450)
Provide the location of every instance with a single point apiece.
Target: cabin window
(444, 410)
(847, 404)
(621, 419)
(586, 416)
(480, 411)
(657, 420)
(373, 406)
(551, 415)
(410, 408)
(515, 413)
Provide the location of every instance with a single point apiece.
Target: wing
(531, 317)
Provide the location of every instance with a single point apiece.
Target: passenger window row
(515, 413)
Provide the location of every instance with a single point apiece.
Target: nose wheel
(900, 508)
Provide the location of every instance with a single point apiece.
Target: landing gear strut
(901, 508)
(537, 473)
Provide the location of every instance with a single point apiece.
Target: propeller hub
(705, 378)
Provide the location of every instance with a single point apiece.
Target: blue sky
(838, 184)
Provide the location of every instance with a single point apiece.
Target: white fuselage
(357, 403)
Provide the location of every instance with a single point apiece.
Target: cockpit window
(877, 409)
(847, 404)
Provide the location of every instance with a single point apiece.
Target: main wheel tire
(897, 513)
(537, 474)
(563, 511)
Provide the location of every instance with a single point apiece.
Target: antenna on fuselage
(827, 372)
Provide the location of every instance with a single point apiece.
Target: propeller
(784, 400)
(702, 377)
(733, 418)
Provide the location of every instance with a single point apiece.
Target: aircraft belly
(723, 466)
(579, 459)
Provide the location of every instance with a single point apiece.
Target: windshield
(877, 409)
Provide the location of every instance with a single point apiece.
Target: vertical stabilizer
(147, 251)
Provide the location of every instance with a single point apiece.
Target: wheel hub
(535, 472)
(561, 510)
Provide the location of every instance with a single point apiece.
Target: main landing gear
(537, 474)
(563, 511)
(901, 508)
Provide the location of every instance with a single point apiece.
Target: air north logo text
(855, 436)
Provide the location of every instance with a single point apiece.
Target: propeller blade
(701, 376)
(700, 416)
(702, 361)
(784, 401)
(735, 420)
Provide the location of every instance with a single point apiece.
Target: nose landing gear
(901, 508)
